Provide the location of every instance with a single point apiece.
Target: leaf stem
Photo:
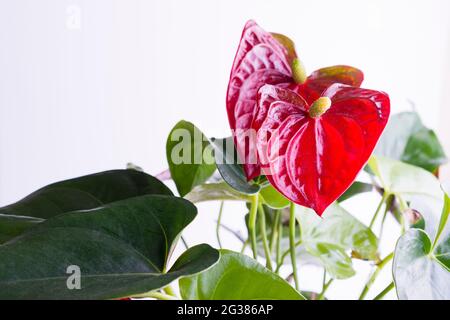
(159, 296)
(380, 205)
(292, 243)
(219, 219)
(385, 291)
(262, 225)
(252, 223)
(374, 275)
(169, 290)
(324, 289)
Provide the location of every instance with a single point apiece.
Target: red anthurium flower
(264, 58)
(312, 152)
(260, 59)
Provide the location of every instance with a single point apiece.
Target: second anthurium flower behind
(309, 135)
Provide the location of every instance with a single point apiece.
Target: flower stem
(252, 224)
(262, 225)
(274, 232)
(292, 243)
(219, 218)
(374, 275)
(278, 249)
(384, 292)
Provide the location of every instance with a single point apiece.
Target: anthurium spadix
(265, 58)
(312, 152)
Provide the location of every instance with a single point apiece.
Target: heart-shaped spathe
(313, 160)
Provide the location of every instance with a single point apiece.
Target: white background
(90, 85)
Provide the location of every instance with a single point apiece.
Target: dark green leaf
(424, 150)
(237, 277)
(355, 189)
(86, 192)
(12, 226)
(229, 167)
(121, 249)
(81, 193)
(190, 157)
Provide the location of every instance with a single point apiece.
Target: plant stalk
(292, 244)
(380, 205)
(374, 275)
(219, 219)
(252, 224)
(262, 225)
(385, 291)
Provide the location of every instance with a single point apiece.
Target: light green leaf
(416, 187)
(328, 239)
(190, 157)
(237, 277)
(215, 191)
(421, 268)
(272, 198)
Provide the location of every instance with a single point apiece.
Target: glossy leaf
(86, 192)
(313, 160)
(190, 157)
(229, 167)
(12, 226)
(237, 277)
(121, 249)
(408, 140)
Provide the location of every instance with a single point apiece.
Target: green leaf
(12, 226)
(424, 150)
(418, 273)
(355, 189)
(121, 249)
(81, 193)
(421, 268)
(237, 277)
(215, 191)
(411, 184)
(229, 167)
(190, 157)
(328, 239)
(406, 138)
(272, 198)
